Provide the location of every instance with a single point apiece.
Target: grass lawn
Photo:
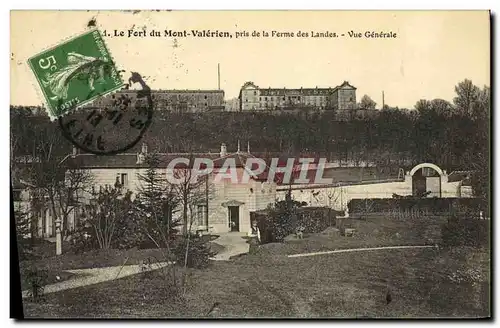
(100, 257)
(55, 266)
(337, 285)
(370, 232)
(423, 282)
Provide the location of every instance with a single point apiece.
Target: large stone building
(341, 97)
(176, 100)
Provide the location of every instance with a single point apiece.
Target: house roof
(459, 175)
(345, 175)
(129, 161)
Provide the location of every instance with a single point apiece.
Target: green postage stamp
(75, 72)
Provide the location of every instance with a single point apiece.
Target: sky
(432, 51)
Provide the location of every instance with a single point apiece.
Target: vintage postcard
(251, 164)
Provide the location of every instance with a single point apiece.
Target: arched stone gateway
(429, 165)
(424, 185)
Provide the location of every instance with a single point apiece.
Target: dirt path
(234, 244)
(85, 277)
(361, 250)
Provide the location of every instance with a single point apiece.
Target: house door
(234, 218)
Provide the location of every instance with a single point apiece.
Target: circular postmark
(114, 126)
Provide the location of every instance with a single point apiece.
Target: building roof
(129, 161)
(345, 175)
(459, 176)
(174, 91)
(346, 84)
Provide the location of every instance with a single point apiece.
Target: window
(206, 104)
(255, 93)
(206, 97)
(201, 215)
(122, 178)
(17, 195)
(45, 213)
(265, 99)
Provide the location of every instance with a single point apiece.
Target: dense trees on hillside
(448, 134)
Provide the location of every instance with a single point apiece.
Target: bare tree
(57, 179)
(333, 195)
(192, 191)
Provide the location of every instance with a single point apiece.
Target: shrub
(23, 236)
(316, 219)
(83, 239)
(429, 205)
(199, 251)
(130, 234)
(36, 279)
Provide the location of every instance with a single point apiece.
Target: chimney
(74, 152)
(223, 150)
(140, 158)
(144, 149)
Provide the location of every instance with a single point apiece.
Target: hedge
(313, 219)
(432, 205)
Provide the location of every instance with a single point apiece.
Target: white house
(229, 204)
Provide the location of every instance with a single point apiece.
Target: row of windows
(275, 92)
(270, 107)
(167, 96)
(291, 97)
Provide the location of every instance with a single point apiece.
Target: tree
(23, 231)
(191, 193)
(367, 103)
(106, 213)
(63, 185)
(441, 107)
(467, 96)
(157, 201)
(56, 180)
(481, 109)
